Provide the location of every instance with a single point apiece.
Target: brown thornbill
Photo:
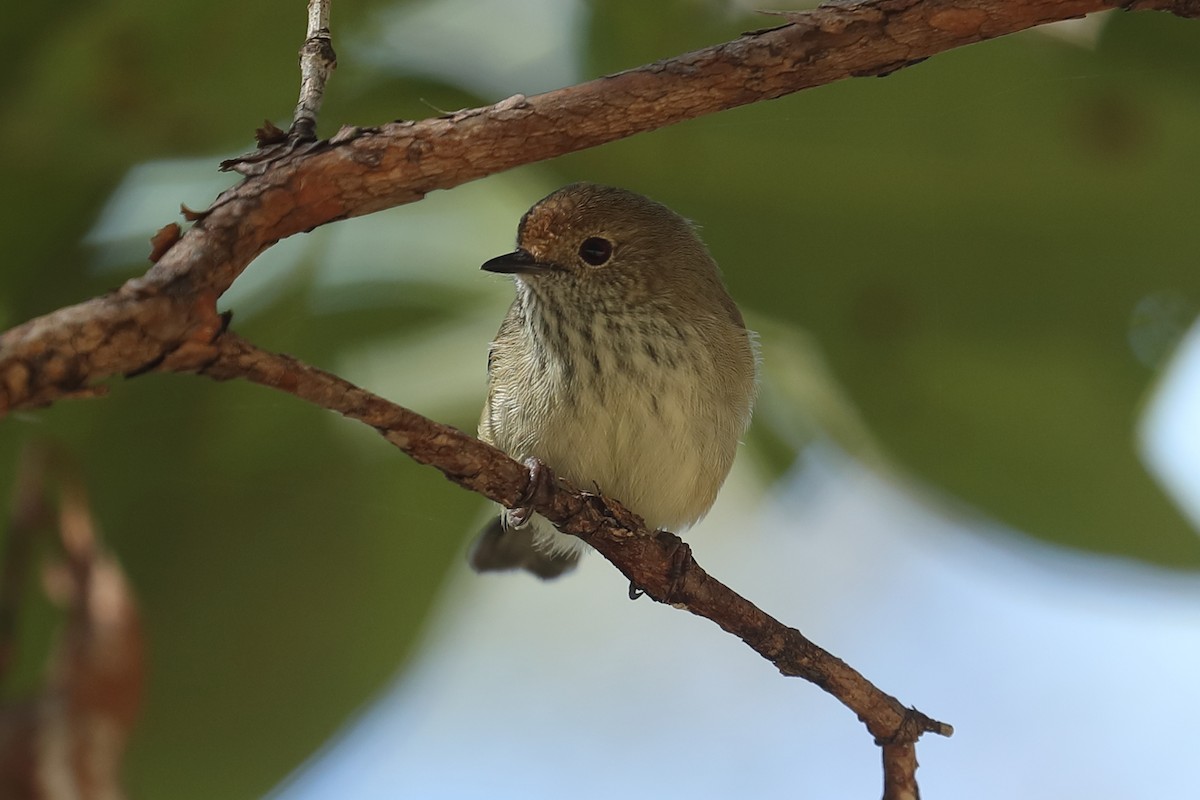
(622, 364)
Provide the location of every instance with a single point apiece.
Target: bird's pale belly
(648, 449)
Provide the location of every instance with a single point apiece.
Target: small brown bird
(622, 364)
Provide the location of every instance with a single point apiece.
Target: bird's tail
(499, 548)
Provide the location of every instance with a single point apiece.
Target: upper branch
(169, 313)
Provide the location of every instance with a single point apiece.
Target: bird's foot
(539, 488)
(681, 562)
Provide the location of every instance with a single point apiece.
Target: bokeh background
(973, 473)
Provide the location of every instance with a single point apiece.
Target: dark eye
(595, 250)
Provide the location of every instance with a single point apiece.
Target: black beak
(518, 261)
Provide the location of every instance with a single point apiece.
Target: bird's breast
(638, 408)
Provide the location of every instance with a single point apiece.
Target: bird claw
(677, 569)
(517, 518)
(540, 486)
(681, 562)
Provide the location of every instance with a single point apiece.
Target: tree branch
(900, 772)
(156, 318)
(658, 562)
(317, 61)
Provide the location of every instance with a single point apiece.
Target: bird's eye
(596, 250)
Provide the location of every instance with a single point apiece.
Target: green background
(971, 244)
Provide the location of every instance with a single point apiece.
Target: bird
(622, 365)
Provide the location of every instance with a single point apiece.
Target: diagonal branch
(658, 562)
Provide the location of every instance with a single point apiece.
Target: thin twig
(650, 559)
(900, 772)
(317, 62)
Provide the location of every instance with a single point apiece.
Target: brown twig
(317, 62)
(651, 560)
(900, 772)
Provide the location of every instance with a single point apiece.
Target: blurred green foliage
(967, 240)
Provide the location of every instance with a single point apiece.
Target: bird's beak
(519, 262)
